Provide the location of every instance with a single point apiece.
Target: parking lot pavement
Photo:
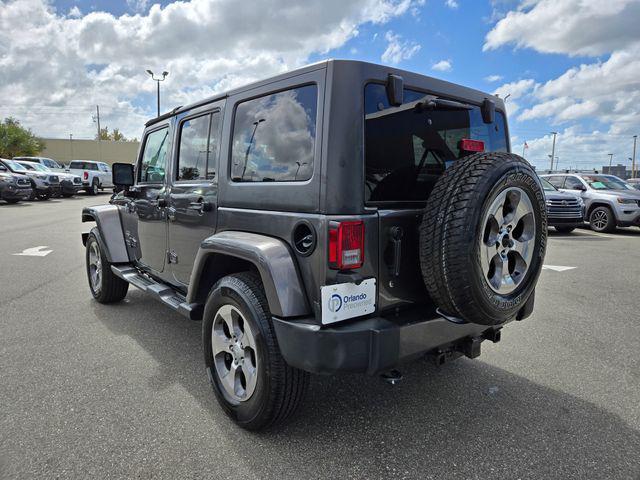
(95, 391)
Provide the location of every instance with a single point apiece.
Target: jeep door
(149, 197)
(193, 192)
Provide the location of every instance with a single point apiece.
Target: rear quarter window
(274, 137)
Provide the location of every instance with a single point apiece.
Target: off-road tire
(610, 225)
(451, 233)
(279, 388)
(112, 288)
(565, 229)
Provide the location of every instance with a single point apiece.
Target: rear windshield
(406, 151)
(82, 165)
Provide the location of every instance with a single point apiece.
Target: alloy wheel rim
(508, 240)
(234, 351)
(600, 219)
(95, 268)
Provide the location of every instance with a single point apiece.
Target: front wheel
(105, 286)
(601, 219)
(250, 379)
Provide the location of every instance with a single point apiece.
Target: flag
(525, 145)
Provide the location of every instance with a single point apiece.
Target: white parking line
(35, 251)
(557, 268)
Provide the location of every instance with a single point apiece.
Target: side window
(573, 183)
(198, 148)
(274, 137)
(103, 167)
(154, 157)
(50, 163)
(557, 181)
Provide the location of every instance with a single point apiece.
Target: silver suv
(609, 201)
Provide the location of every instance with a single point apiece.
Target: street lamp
(553, 148)
(158, 80)
(246, 156)
(610, 161)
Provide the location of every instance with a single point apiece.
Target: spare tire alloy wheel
(508, 240)
(483, 237)
(233, 347)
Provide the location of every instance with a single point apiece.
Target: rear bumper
(375, 344)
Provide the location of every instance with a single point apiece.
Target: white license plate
(347, 300)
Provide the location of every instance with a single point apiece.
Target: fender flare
(272, 259)
(107, 219)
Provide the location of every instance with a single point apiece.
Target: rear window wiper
(433, 103)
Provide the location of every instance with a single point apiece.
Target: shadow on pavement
(465, 420)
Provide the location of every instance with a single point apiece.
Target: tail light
(468, 145)
(346, 245)
(85, 175)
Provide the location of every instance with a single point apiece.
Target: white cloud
(513, 91)
(74, 12)
(451, 4)
(573, 27)
(206, 45)
(398, 49)
(138, 6)
(442, 66)
(493, 78)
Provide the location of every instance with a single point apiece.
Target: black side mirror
(122, 175)
(488, 110)
(395, 90)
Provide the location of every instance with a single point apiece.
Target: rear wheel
(94, 188)
(483, 237)
(251, 380)
(105, 286)
(601, 219)
(565, 229)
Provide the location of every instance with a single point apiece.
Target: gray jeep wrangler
(341, 217)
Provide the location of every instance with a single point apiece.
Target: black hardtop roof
(306, 69)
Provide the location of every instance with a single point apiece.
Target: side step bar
(159, 291)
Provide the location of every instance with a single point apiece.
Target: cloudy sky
(571, 66)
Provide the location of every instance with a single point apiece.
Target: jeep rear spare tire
(483, 237)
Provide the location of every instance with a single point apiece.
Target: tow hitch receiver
(470, 347)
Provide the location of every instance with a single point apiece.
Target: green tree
(15, 140)
(114, 136)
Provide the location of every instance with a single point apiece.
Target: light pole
(610, 161)
(553, 148)
(246, 155)
(633, 161)
(158, 80)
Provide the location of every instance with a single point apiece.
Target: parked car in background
(95, 176)
(634, 182)
(565, 211)
(47, 162)
(43, 185)
(609, 201)
(13, 188)
(69, 183)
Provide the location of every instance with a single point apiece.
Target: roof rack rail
(163, 116)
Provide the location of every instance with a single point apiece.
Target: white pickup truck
(95, 176)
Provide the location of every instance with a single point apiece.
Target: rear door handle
(200, 206)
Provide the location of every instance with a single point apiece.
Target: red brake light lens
(346, 245)
(469, 145)
(85, 175)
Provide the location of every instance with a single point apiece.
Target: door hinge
(172, 256)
